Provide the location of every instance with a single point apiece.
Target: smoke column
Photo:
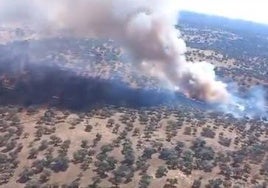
(146, 28)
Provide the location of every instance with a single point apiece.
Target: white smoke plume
(145, 27)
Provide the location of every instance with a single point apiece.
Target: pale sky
(252, 10)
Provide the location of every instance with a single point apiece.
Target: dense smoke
(145, 27)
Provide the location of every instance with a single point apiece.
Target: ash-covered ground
(78, 73)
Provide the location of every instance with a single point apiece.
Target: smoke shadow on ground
(24, 83)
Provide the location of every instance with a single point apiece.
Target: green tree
(161, 171)
(145, 181)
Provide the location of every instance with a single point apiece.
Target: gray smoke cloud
(146, 28)
(252, 104)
